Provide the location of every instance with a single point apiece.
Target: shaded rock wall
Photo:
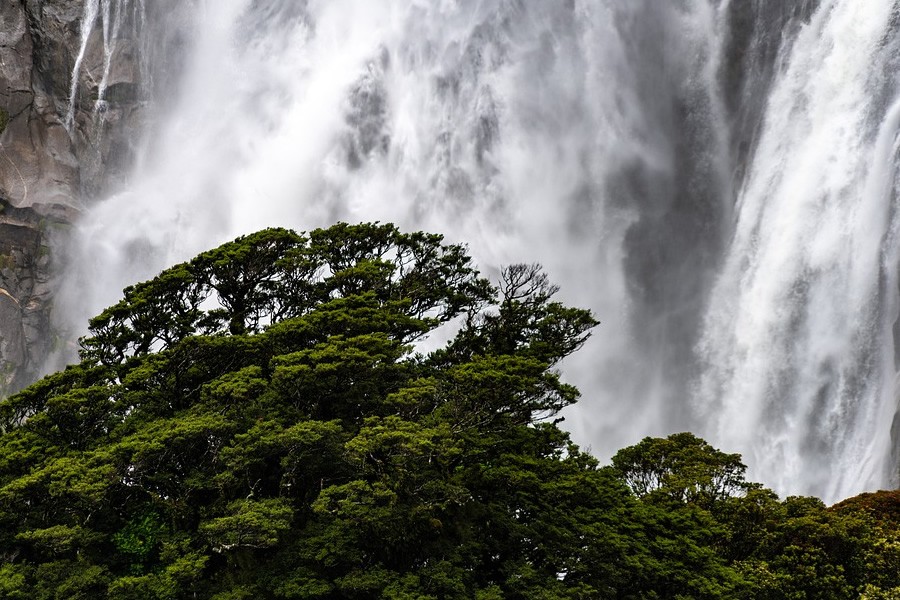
(25, 295)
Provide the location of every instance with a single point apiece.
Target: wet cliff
(56, 149)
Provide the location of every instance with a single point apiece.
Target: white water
(109, 15)
(88, 19)
(798, 349)
(590, 136)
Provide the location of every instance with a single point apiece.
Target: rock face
(56, 148)
(25, 294)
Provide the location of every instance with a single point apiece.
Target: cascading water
(111, 14)
(798, 349)
(740, 253)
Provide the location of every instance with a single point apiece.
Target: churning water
(715, 179)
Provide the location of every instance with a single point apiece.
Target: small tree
(683, 468)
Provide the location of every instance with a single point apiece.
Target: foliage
(682, 468)
(256, 423)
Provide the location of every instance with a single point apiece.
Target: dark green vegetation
(255, 424)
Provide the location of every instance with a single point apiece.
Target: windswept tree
(256, 423)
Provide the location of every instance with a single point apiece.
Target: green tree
(683, 468)
(255, 423)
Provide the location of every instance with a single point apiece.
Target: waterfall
(740, 253)
(111, 14)
(88, 18)
(798, 349)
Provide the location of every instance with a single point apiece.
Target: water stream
(715, 179)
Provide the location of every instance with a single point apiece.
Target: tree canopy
(258, 423)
